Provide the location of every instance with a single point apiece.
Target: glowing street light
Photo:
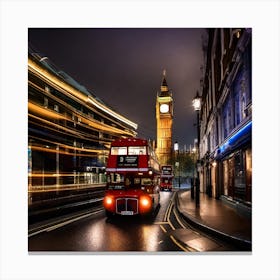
(196, 102)
(177, 163)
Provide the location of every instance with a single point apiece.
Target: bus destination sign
(166, 170)
(127, 161)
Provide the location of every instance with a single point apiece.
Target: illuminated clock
(164, 108)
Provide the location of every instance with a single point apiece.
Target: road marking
(50, 228)
(163, 228)
(167, 220)
(178, 244)
(167, 210)
(171, 225)
(169, 207)
(177, 218)
(161, 223)
(168, 216)
(67, 222)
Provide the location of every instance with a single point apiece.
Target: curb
(242, 244)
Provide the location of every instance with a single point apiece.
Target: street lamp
(176, 146)
(197, 106)
(193, 153)
(177, 163)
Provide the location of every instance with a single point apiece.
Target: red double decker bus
(166, 177)
(133, 178)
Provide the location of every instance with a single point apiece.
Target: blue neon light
(223, 147)
(243, 131)
(234, 138)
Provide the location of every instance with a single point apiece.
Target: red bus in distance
(166, 177)
(133, 178)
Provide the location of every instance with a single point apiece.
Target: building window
(227, 117)
(225, 177)
(46, 102)
(56, 108)
(213, 140)
(217, 131)
(241, 95)
(239, 178)
(236, 94)
(248, 155)
(247, 57)
(47, 89)
(208, 142)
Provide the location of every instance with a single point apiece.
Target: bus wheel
(109, 214)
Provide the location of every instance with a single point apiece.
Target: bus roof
(123, 142)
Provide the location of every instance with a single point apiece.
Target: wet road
(95, 233)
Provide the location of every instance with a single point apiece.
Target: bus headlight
(108, 201)
(145, 202)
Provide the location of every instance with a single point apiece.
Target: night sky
(124, 66)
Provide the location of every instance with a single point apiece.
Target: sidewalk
(217, 218)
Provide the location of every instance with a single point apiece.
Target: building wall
(69, 130)
(226, 115)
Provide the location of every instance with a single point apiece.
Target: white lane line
(48, 229)
(67, 222)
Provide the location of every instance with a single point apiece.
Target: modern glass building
(69, 129)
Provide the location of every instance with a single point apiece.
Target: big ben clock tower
(164, 118)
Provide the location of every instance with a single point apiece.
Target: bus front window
(146, 182)
(115, 181)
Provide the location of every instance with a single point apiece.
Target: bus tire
(109, 214)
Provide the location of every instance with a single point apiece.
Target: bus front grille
(127, 205)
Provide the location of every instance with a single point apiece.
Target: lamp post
(197, 106)
(177, 163)
(193, 152)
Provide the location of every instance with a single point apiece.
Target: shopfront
(237, 175)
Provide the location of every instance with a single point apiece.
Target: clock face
(164, 108)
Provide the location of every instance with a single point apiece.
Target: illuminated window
(118, 151)
(46, 102)
(116, 181)
(137, 181)
(146, 182)
(140, 150)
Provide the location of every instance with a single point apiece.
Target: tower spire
(164, 86)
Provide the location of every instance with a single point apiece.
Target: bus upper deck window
(137, 150)
(118, 151)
